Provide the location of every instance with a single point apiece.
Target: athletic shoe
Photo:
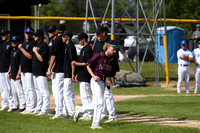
(85, 118)
(41, 113)
(96, 127)
(36, 112)
(110, 120)
(12, 110)
(5, 108)
(20, 110)
(55, 117)
(195, 92)
(26, 112)
(68, 117)
(76, 115)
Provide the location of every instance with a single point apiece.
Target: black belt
(183, 65)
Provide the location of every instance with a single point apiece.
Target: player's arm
(28, 55)
(18, 73)
(39, 57)
(96, 78)
(51, 66)
(9, 74)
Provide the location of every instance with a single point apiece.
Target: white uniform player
(196, 54)
(184, 57)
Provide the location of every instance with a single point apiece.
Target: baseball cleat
(110, 120)
(26, 112)
(76, 115)
(55, 117)
(96, 127)
(5, 108)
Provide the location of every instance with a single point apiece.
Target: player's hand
(18, 76)
(96, 78)
(196, 63)
(73, 77)
(8, 75)
(48, 74)
(76, 78)
(35, 49)
(20, 46)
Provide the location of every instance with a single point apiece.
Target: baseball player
(196, 55)
(82, 75)
(5, 50)
(68, 90)
(26, 71)
(14, 74)
(196, 36)
(40, 66)
(100, 66)
(109, 108)
(184, 57)
(55, 70)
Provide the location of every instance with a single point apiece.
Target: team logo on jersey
(38, 48)
(14, 54)
(7, 47)
(27, 46)
(83, 53)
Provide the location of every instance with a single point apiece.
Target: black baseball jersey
(15, 62)
(70, 55)
(5, 50)
(26, 64)
(58, 50)
(98, 47)
(85, 55)
(40, 68)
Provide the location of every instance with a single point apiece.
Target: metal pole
(35, 14)
(86, 16)
(137, 31)
(165, 46)
(113, 21)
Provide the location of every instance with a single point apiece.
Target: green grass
(148, 69)
(181, 107)
(148, 90)
(17, 123)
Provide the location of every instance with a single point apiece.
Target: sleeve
(190, 55)
(31, 48)
(92, 62)
(72, 53)
(178, 54)
(54, 48)
(88, 56)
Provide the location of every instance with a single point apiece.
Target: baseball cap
(15, 39)
(52, 29)
(39, 32)
(61, 27)
(82, 35)
(114, 44)
(67, 34)
(29, 30)
(101, 29)
(4, 32)
(183, 42)
(198, 25)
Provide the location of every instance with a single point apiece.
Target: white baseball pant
(41, 84)
(86, 98)
(98, 96)
(109, 103)
(16, 88)
(197, 78)
(183, 72)
(28, 87)
(5, 90)
(57, 90)
(69, 96)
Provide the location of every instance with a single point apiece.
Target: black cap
(68, 34)
(4, 32)
(39, 32)
(29, 30)
(52, 29)
(61, 27)
(82, 35)
(114, 44)
(102, 29)
(16, 39)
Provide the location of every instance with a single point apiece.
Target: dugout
(17, 8)
(174, 37)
